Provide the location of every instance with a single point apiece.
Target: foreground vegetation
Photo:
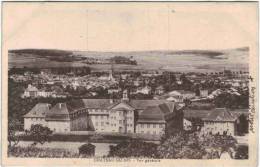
(42, 153)
(182, 146)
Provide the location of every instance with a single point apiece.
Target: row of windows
(99, 117)
(128, 118)
(151, 125)
(101, 123)
(217, 129)
(96, 110)
(113, 118)
(37, 119)
(121, 112)
(213, 123)
(154, 132)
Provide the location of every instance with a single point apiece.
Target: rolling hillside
(183, 61)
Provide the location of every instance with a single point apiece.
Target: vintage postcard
(130, 83)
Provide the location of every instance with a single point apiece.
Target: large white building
(33, 92)
(106, 115)
(220, 121)
(36, 115)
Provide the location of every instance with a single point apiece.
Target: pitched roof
(220, 115)
(31, 88)
(97, 103)
(121, 106)
(189, 113)
(75, 104)
(59, 112)
(239, 112)
(38, 111)
(142, 104)
(155, 113)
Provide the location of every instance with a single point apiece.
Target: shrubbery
(179, 146)
(134, 148)
(42, 153)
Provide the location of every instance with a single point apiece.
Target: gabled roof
(38, 111)
(74, 105)
(31, 88)
(220, 115)
(155, 113)
(59, 112)
(121, 106)
(97, 103)
(189, 113)
(142, 104)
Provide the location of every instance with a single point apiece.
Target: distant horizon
(114, 51)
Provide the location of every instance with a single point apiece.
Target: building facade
(220, 121)
(120, 116)
(36, 115)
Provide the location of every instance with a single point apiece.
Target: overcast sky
(129, 26)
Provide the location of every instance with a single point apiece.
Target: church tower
(111, 72)
(125, 95)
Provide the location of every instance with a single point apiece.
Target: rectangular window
(142, 125)
(120, 121)
(154, 125)
(160, 126)
(148, 125)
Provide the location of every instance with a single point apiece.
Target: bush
(241, 152)
(40, 134)
(134, 148)
(194, 146)
(42, 153)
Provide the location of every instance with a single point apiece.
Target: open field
(181, 61)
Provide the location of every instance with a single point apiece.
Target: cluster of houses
(33, 92)
(157, 116)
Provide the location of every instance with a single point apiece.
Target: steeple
(111, 72)
(125, 96)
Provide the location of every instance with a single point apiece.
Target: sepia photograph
(133, 82)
